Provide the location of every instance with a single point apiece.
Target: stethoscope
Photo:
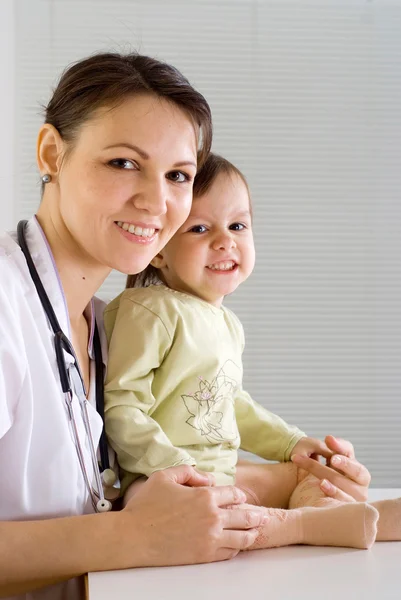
(71, 378)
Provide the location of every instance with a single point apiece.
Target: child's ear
(158, 262)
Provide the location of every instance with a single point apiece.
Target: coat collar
(45, 264)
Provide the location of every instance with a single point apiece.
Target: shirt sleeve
(12, 362)
(263, 433)
(138, 344)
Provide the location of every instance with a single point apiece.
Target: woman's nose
(152, 198)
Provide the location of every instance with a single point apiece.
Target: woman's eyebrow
(185, 163)
(146, 156)
(141, 152)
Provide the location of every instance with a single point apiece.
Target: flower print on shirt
(211, 407)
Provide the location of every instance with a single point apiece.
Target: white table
(292, 573)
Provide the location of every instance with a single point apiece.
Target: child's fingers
(322, 449)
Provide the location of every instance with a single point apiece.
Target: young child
(174, 384)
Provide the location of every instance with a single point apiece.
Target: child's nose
(224, 242)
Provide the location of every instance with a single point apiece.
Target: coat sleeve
(263, 433)
(12, 355)
(138, 344)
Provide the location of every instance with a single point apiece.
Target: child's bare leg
(389, 525)
(267, 484)
(351, 525)
(282, 485)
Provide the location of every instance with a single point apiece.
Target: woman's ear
(159, 262)
(49, 150)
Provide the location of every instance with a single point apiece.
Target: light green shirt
(174, 392)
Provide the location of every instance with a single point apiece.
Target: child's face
(213, 252)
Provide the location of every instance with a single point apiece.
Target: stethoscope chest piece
(103, 506)
(109, 478)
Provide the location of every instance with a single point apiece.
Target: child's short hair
(214, 166)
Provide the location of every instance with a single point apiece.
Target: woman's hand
(345, 479)
(176, 517)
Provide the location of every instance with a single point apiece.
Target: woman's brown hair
(214, 166)
(107, 79)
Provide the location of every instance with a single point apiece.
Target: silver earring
(46, 178)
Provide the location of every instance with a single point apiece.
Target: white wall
(7, 118)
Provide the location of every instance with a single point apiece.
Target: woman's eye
(178, 177)
(237, 226)
(198, 229)
(123, 163)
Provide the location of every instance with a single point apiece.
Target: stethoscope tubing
(78, 447)
(99, 502)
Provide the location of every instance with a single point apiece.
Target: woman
(122, 139)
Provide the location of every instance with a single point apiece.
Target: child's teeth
(223, 266)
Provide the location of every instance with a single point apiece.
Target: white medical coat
(40, 476)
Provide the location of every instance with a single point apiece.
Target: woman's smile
(142, 234)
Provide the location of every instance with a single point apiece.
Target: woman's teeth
(136, 230)
(222, 266)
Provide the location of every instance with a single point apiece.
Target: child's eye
(178, 176)
(237, 226)
(198, 229)
(123, 163)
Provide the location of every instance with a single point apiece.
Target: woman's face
(126, 186)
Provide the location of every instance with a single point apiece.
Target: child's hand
(312, 448)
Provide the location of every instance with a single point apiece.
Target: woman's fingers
(190, 524)
(340, 446)
(352, 468)
(239, 540)
(345, 462)
(321, 471)
(225, 554)
(331, 490)
(245, 517)
(313, 466)
(227, 495)
(210, 477)
(185, 475)
(240, 526)
(344, 471)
